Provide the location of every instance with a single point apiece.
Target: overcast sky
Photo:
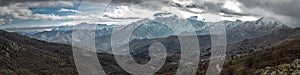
(36, 13)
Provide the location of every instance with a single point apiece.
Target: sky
(44, 15)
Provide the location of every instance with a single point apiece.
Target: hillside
(283, 52)
(19, 56)
(22, 55)
(262, 42)
(42, 45)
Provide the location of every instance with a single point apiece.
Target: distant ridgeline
(151, 29)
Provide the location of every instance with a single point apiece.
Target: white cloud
(231, 5)
(183, 2)
(21, 10)
(67, 10)
(125, 14)
(181, 8)
(118, 12)
(67, 23)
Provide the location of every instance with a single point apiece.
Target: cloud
(67, 10)
(230, 7)
(123, 11)
(4, 21)
(127, 14)
(37, 3)
(22, 11)
(286, 11)
(45, 26)
(8, 2)
(208, 5)
(142, 8)
(182, 8)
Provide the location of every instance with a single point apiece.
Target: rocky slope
(21, 57)
(283, 52)
(282, 69)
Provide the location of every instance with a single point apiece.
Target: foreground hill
(284, 52)
(42, 45)
(19, 56)
(26, 56)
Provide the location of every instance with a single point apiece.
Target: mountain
(281, 51)
(43, 45)
(19, 53)
(22, 55)
(262, 42)
(150, 29)
(63, 34)
(236, 31)
(252, 29)
(234, 49)
(244, 57)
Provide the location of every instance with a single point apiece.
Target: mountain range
(23, 55)
(150, 29)
(251, 46)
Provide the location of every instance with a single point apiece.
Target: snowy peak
(157, 28)
(267, 21)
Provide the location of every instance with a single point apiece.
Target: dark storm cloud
(157, 4)
(285, 7)
(213, 6)
(231, 12)
(286, 11)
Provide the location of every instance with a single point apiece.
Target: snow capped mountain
(149, 29)
(251, 29)
(63, 34)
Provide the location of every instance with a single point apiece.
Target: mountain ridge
(18, 58)
(111, 67)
